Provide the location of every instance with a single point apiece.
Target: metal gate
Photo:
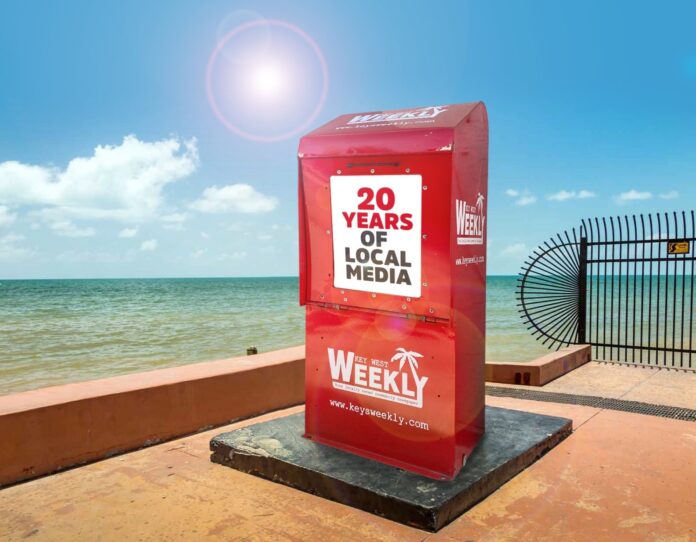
(624, 285)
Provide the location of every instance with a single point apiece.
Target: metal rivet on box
(425, 187)
(431, 310)
(408, 170)
(374, 295)
(425, 284)
(338, 172)
(403, 307)
(372, 171)
(328, 232)
(425, 236)
(345, 299)
(408, 299)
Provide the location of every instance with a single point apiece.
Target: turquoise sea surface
(58, 331)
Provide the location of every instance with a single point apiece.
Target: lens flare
(267, 81)
(261, 40)
(279, 89)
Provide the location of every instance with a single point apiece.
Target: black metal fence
(624, 285)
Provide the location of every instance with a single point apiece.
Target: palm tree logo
(409, 356)
(479, 204)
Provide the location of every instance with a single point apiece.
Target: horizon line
(186, 277)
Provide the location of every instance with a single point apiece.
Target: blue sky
(113, 164)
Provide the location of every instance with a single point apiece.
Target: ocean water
(58, 331)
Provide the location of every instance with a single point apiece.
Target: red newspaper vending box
(392, 209)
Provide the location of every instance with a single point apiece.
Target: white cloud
(127, 233)
(149, 245)
(525, 200)
(6, 217)
(11, 238)
(241, 255)
(90, 257)
(198, 253)
(11, 249)
(175, 218)
(63, 226)
(240, 198)
(634, 195)
(119, 182)
(672, 194)
(204, 235)
(522, 198)
(174, 221)
(516, 249)
(565, 195)
(265, 237)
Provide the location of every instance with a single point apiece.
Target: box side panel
(468, 264)
(381, 386)
(302, 237)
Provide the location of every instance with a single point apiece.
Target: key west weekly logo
(415, 114)
(403, 386)
(470, 221)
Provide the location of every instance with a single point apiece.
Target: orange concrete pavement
(632, 383)
(618, 477)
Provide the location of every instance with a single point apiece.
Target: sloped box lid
(403, 131)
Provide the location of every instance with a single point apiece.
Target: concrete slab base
(276, 450)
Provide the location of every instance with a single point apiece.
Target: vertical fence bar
(674, 294)
(691, 303)
(650, 287)
(683, 292)
(635, 284)
(657, 291)
(588, 274)
(618, 309)
(604, 300)
(666, 321)
(630, 297)
(597, 269)
(642, 284)
(611, 310)
(582, 291)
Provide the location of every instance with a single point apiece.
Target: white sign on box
(376, 227)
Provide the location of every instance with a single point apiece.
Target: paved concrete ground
(645, 384)
(619, 477)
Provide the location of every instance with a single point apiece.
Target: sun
(266, 89)
(266, 80)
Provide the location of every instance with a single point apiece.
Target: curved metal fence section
(624, 285)
(547, 291)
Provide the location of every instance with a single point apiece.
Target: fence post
(582, 291)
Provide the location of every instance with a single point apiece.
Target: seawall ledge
(58, 427)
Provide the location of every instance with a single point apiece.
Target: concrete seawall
(58, 427)
(540, 371)
(53, 428)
